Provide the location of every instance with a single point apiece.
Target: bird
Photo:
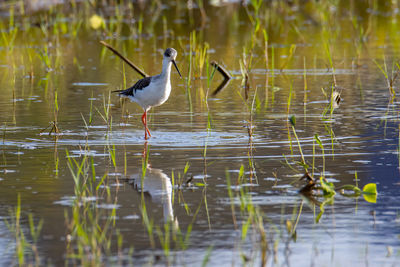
(154, 90)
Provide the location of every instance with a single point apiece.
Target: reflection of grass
(26, 251)
(252, 221)
(90, 235)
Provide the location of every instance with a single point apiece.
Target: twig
(221, 70)
(225, 73)
(127, 61)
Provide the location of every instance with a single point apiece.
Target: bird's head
(171, 54)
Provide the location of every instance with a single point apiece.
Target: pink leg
(144, 123)
(146, 130)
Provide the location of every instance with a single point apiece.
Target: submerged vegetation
(287, 114)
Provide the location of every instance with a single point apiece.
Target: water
(363, 130)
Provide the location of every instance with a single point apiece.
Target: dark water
(364, 132)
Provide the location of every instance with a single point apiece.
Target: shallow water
(360, 137)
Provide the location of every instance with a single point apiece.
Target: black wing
(139, 85)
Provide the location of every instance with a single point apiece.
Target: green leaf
(276, 89)
(328, 201)
(187, 208)
(101, 181)
(370, 193)
(322, 210)
(245, 228)
(328, 188)
(318, 140)
(370, 198)
(302, 164)
(370, 189)
(207, 256)
(186, 168)
(352, 187)
(292, 120)
(241, 171)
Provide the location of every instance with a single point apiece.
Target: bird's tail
(124, 92)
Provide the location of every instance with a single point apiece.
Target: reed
(390, 80)
(26, 251)
(318, 141)
(293, 123)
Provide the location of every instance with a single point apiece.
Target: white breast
(153, 95)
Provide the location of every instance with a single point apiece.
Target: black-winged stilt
(152, 91)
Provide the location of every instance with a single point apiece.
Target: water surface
(210, 135)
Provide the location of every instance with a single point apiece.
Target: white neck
(166, 68)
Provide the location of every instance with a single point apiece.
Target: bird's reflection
(157, 185)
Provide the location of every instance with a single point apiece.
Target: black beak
(176, 67)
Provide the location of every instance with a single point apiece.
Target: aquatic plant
(389, 80)
(303, 163)
(26, 251)
(252, 219)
